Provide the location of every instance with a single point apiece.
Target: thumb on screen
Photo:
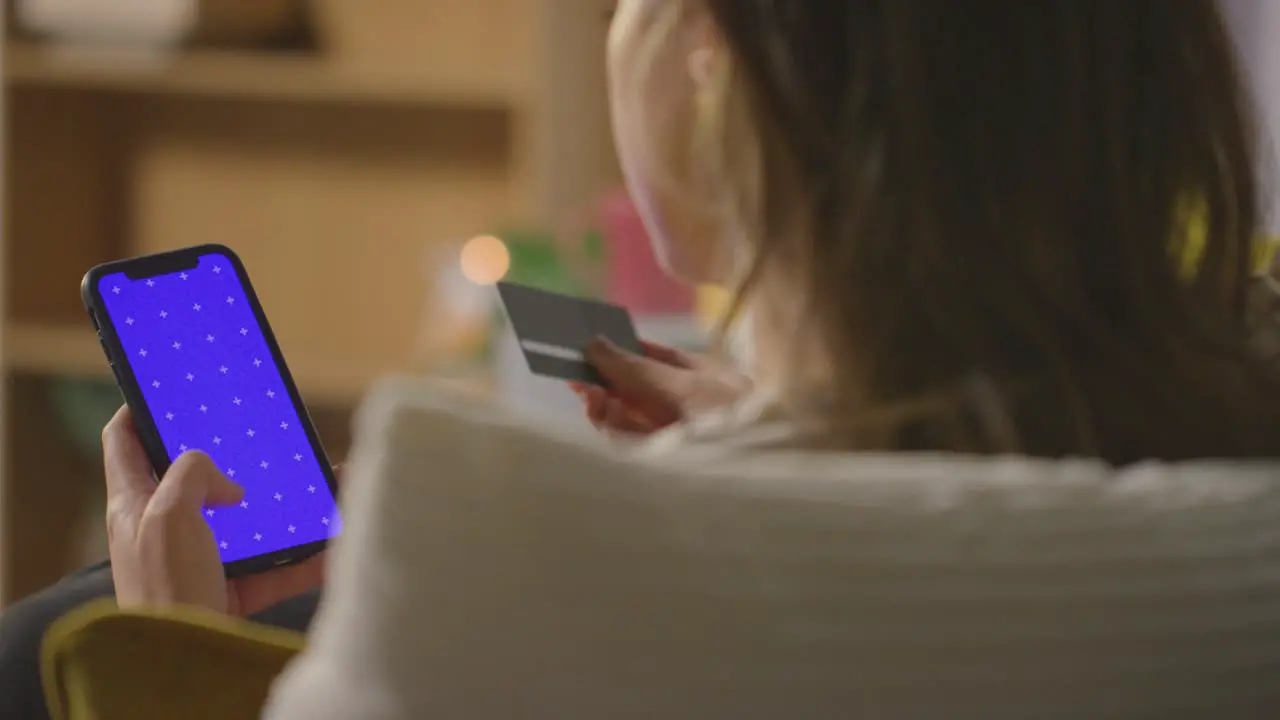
(194, 481)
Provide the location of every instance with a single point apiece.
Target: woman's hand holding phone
(163, 553)
(647, 393)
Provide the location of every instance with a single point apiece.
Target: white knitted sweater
(493, 570)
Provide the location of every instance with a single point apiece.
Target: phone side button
(107, 351)
(115, 373)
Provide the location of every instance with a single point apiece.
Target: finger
(622, 419)
(594, 400)
(667, 355)
(595, 395)
(591, 395)
(599, 408)
(611, 413)
(648, 386)
(193, 482)
(339, 477)
(637, 423)
(596, 412)
(128, 471)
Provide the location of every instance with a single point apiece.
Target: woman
(949, 227)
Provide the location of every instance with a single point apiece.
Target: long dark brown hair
(994, 196)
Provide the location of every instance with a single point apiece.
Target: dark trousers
(22, 629)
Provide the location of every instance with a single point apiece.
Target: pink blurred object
(633, 278)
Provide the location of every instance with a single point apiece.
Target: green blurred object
(85, 405)
(537, 259)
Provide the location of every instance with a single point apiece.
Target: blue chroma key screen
(210, 381)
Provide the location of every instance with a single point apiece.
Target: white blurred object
(151, 23)
(458, 317)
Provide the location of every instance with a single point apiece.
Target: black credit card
(554, 330)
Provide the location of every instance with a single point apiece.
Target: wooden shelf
(277, 77)
(41, 349)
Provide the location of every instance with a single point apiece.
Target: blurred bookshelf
(261, 75)
(337, 177)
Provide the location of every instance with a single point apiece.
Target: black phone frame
(167, 263)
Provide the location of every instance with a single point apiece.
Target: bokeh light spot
(484, 260)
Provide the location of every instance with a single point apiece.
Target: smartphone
(197, 363)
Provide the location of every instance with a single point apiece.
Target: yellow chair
(101, 663)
